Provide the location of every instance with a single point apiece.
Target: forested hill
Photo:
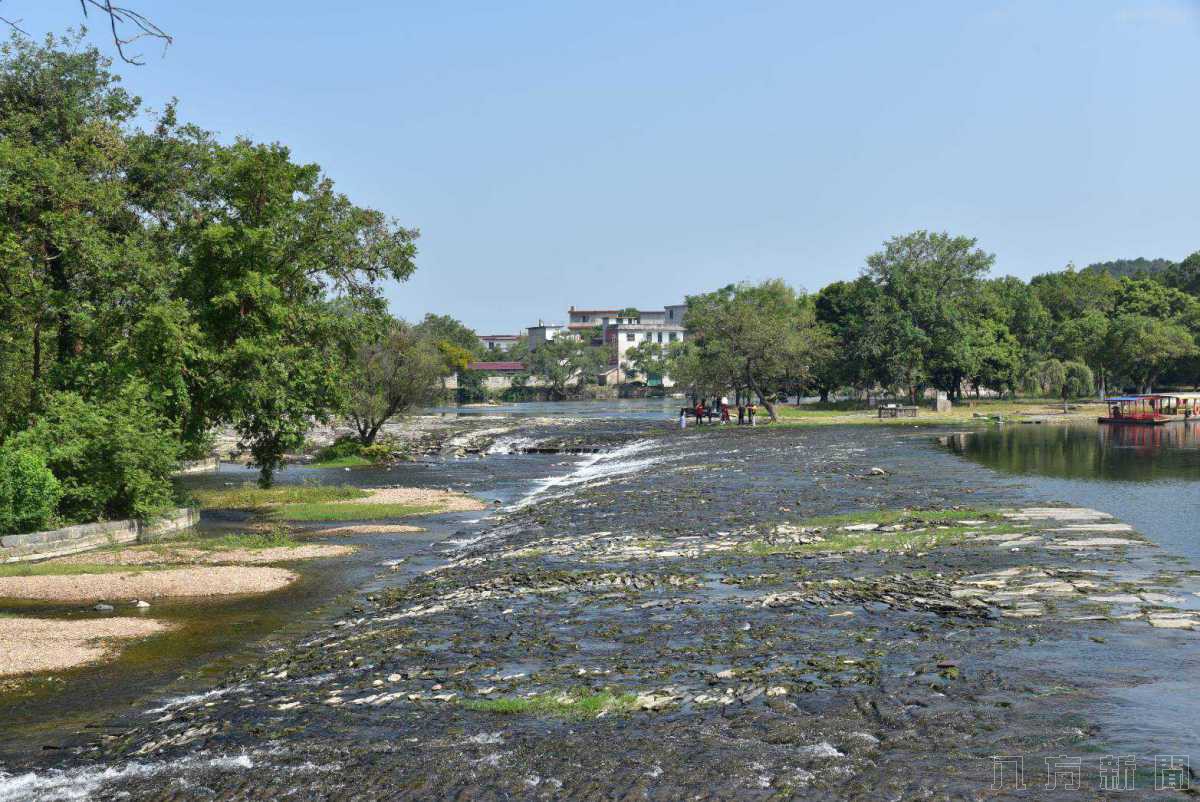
(1131, 267)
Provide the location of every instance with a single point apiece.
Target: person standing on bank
(724, 410)
(741, 413)
(750, 410)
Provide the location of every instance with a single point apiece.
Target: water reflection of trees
(1131, 453)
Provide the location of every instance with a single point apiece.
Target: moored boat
(1151, 410)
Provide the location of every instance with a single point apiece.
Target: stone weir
(83, 537)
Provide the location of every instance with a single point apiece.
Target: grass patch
(843, 412)
(275, 539)
(65, 569)
(570, 704)
(254, 498)
(352, 461)
(317, 511)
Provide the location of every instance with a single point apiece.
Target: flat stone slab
(1098, 527)
(1093, 543)
(1057, 514)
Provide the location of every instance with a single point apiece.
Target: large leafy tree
(761, 334)
(1142, 348)
(393, 369)
(927, 283)
(270, 244)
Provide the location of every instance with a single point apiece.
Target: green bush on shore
(29, 493)
(113, 459)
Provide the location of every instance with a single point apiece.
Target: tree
(1062, 379)
(567, 359)
(393, 369)
(1141, 348)
(271, 242)
(927, 283)
(759, 334)
(1185, 275)
(648, 359)
(842, 308)
(126, 25)
(1083, 339)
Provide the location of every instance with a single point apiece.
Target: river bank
(679, 615)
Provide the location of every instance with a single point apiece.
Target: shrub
(29, 492)
(341, 448)
(379, 452)
(113, 458)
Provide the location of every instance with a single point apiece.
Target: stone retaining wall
(82, 537)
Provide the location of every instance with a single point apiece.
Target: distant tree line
(924, 314)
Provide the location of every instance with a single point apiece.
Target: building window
(660, 336)
(630, 337)
(672, 336)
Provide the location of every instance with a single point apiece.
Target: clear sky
(629, 153)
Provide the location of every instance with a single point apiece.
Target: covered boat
(1144, 410)
(1152, 409)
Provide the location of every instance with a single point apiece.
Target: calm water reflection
(1148, 476)
(1125, 453)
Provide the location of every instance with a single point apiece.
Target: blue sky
(630, 153)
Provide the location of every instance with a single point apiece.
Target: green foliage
(335, 511)
(29, 493)
(251, 498)
(393, 367)
(753, 337)
(341, 448)
(198, 270)
(110, 457)
(378, 452)
(567, 360)
(1134, 268)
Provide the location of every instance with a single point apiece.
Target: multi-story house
(498, 343)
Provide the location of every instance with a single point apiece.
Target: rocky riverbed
(709, 614)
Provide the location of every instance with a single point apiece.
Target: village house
(498, 342)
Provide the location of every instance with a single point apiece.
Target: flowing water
(575, 579)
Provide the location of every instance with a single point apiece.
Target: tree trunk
(767, 405)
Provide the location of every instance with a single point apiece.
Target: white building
(624, 331)
(543, 333)
(498, 343)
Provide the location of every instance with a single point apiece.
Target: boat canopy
(1130, 398)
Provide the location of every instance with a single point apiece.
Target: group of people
(718, 409)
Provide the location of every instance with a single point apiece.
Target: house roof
(498, 367)
(498, 336)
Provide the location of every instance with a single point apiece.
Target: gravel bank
(183, 555)
(447, 500)
(209, 581)
(38, 644)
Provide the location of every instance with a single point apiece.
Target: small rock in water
(877, 472)
(103, 608)
(141, 605)
(860, 528)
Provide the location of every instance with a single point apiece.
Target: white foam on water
(190, 699)
(602, 467)
(80, 784)
(515, 443)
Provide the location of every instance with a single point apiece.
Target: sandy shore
(372, 529)
(208, 581)
(38, 644)
(447, 500)
(183, 555)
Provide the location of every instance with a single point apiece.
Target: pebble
(103, 608)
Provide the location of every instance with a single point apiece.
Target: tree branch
(127, 26)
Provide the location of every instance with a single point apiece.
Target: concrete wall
(82, 537)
